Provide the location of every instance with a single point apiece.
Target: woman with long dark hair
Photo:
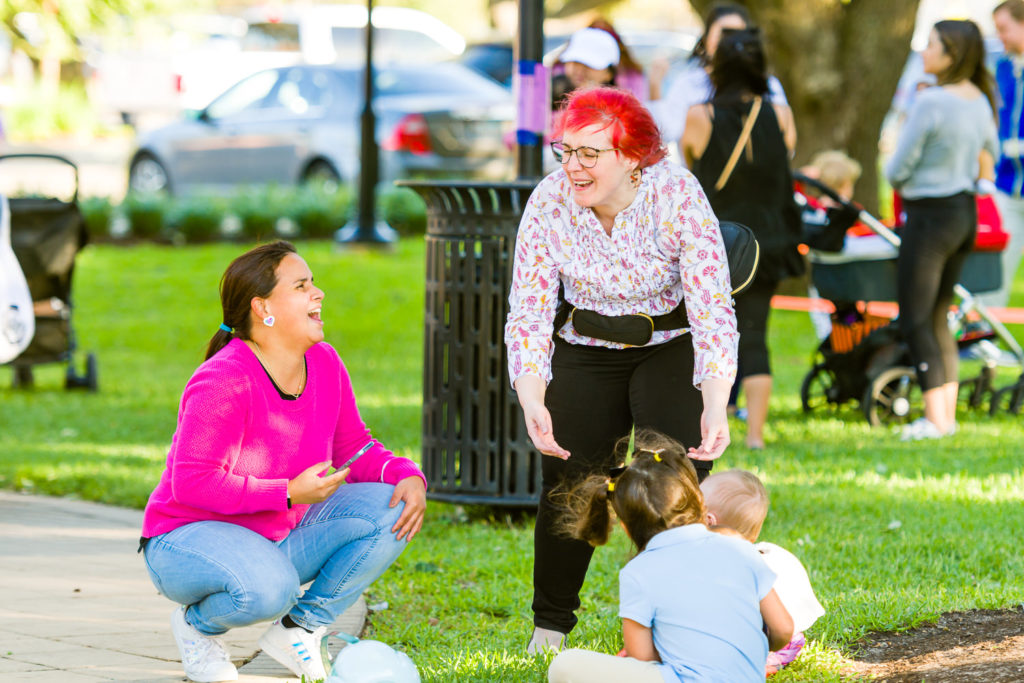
(693, 86)
(748, 181)
(935, 168)
(245, 512)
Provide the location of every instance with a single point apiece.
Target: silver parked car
(297, 123)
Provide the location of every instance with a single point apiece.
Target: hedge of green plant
(310, 212)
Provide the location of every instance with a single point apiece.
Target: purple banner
(533, 95)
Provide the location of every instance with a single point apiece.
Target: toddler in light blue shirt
(708, 627)
(737, 502)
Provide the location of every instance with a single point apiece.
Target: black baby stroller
(46, 235)
(863, 356)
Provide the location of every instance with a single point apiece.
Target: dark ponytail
(253, 274)
(586, 510)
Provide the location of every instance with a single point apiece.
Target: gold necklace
(266, 366)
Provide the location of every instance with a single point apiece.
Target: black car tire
(147, 175)
(322, 172)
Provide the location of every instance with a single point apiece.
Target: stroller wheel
(1010, 399)
(88, 381)
(893, 397)
(973, 391)
(92, 380)
(819, 389)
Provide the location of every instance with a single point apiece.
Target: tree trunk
(839, 63)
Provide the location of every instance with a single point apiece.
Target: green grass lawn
(892, 533)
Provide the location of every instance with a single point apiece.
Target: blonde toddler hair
(737, 499)
(835, 168)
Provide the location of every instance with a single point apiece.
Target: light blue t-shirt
(938, 148)
(700, 592)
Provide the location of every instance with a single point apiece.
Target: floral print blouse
(665, 249)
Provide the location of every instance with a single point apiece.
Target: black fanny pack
(632, 330)
(743, 254)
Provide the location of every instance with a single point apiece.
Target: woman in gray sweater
(935, 167)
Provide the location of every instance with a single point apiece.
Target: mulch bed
(979, 645)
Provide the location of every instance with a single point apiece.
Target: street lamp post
(365, 228)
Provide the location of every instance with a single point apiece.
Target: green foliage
(98, 213)
(403, 210)
(459, 596)
(198, 219)
(36, 113)
(260, 208)
(318, 210)
(60, 32)
(146, 214)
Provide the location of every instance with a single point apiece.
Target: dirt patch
(979, 645)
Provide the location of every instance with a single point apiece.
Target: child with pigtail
(695, 605)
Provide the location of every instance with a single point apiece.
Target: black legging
(752, 309)
(595, 397)
(936, 241)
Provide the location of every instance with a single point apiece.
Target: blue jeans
(230, 576)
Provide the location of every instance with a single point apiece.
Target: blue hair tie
(227, 329)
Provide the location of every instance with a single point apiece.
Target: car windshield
(272, 36)
(389, 45)
(246, 94)
(447, 79)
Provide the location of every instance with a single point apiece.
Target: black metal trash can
(475, 445)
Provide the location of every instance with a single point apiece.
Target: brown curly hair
(657, 491)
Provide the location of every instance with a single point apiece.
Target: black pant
(936, 241)
(595, 398)
(752, 309)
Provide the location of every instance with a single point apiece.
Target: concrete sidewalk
(76, 603)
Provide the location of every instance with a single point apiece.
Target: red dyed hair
(633, 130)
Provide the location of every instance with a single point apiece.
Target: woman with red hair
(617, 258)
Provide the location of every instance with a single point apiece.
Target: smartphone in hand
(360, 453)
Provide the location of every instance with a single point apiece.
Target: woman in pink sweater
(246, 511)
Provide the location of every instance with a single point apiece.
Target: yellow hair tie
(657, 458)
(611, 486)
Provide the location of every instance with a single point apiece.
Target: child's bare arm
(639, 641)
(777, 619)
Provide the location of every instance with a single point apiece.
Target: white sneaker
(544, 639)
(205, 659)
(297, 649)
(921, 428)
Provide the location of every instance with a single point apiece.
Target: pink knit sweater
(238, 443)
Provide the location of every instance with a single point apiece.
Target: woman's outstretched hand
(538, 420)
(714, 435)
(714, 422)
(538, 426)
(414, 493)
(309, 487)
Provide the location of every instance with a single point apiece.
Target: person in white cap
(590, 59)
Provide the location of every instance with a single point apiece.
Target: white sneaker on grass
(204, 658)
(544, 639)
(297, 649)
(920, 429)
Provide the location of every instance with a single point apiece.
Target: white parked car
(151, 76)
(334, 34)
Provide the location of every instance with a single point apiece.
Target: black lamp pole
(530, 52)
(366, 228)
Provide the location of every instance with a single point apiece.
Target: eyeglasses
(587, 156)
